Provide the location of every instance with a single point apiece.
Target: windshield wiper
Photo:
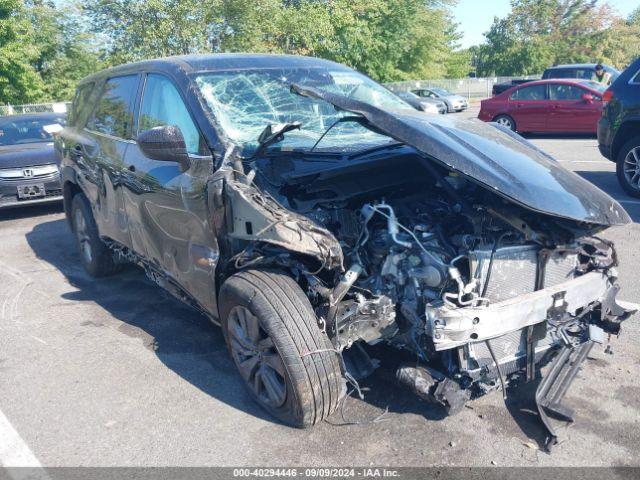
(273, 134)
(349, 118)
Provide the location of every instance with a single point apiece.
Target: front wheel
(289, 366)
(506, 121)
(628, 167)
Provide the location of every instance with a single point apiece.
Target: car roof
(590, 66)
(31, 116)
(575, 81)
(190, 64)
(574, 65)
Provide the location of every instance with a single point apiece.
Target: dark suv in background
(619, 128)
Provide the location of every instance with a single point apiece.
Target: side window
(585, 74)
(563, 73)
(80, 102)
(558, 91)
(114, 112)
(535, 92)
(162, 105)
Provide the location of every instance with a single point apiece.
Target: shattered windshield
(244, 102)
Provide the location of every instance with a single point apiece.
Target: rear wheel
(628, 167)
(96, 258)
(289, 366)
(506, 121)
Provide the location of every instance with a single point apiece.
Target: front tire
(289, 366)
(96, 258)
(506, 121)
(628, 167)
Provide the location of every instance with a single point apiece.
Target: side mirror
(164, 143)
(587, 98)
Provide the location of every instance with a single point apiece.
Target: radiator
(514, 270)
(510, 350)
(514, 273)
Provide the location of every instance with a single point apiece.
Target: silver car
(427, 105)
(454, 102)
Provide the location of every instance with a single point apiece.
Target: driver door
(167, 202)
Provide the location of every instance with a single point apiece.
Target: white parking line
(14, 452)
(597, 162)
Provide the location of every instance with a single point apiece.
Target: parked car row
(581, 71)
(579, 106)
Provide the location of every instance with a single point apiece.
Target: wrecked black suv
(312, 214)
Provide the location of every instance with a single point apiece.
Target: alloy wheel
(82, 235)
(256, 357)
(505, 122)
(632, 168)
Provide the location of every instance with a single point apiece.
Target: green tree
(387, 39)
(619, 43)
(19, 81)
(391, 39)
(540, 33)
(135, 29)
(64, 47)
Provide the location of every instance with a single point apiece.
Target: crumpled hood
(27, 155)
(490, 155)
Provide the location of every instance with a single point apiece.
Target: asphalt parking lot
(116, 372)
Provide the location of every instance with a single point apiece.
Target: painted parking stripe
(14, 452)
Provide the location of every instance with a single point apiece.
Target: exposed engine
(475, 292)
(414, 264)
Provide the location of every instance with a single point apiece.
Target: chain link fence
(471, 88)
(58, 107)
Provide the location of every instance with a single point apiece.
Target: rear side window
(535, 92)
(80, 103)
(558, 91)
(114, 112)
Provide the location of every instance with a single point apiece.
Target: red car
(559, 106)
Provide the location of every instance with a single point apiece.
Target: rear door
(100, 152)
(166, 203)
(569, 112)
(528, 106)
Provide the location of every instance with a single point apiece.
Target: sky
(476, 16)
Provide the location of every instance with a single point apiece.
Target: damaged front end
(457, 259)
